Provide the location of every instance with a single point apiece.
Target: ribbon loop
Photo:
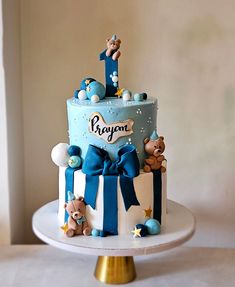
(98, 162)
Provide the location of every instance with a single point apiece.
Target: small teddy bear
(113, 45)
(154, 147)
(77, 222)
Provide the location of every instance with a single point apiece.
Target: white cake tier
(126, 219)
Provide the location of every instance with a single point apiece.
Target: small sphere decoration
(85, 82)
(74, 161)
(153, 226)
(82, 95)
(95, 99)
(95, 88)
(59, 154)
(144, 229)
(95, 232)
(140, 97)
(115, 79)
(126, 95)
(73, 150)
(75, 94)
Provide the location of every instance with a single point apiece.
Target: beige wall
(181, 52)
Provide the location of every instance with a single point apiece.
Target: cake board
(115, 264)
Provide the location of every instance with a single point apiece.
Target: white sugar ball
(95, 99)
(126, 96)
(59, 154)
(82, 95)
(115, 79)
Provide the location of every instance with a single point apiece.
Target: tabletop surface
(43, 265)
(179, 228)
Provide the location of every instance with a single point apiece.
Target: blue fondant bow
(98, 162)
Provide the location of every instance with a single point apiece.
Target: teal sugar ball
(73, 150)
(144, 229)
(85, 82)
(95, 232)
(153, 226)
(95, 88)
(74, 161)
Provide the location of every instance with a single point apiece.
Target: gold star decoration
(148, 212)
(65, 227)
(136, 232)
(87, 82)
(119, 92)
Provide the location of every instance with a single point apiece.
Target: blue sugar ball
(75, 94)
(74, 161)
(153, 226)
(95, 232)
(85, 83)
(95, 88)
(73, 150)
(144, 229)
(103, 233)
(137, 97)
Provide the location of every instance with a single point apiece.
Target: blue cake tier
(142, 114)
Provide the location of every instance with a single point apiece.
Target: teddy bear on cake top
(154, 147)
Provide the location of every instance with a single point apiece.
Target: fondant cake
(114, 163)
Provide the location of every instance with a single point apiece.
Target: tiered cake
(114, 160)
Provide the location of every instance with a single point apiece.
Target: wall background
(181, 52)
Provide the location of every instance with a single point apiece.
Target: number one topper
(110, 56)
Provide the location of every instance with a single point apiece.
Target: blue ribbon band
(157, 195)
(69, 186)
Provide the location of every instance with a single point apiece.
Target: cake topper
(110, 56)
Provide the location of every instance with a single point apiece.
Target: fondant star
(65, 227)
(148, 212)
(136, 232)
(87, 82)
(119, 92)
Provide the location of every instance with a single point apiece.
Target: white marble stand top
(179, 228)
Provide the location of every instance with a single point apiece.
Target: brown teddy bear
(77, 222)
(154, 148)
(113, 45)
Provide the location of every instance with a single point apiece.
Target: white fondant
(109, 132)
(126, 219)
(59, 154)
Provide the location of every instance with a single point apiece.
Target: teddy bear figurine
(77, 222)
(154, 147)
(113, 45)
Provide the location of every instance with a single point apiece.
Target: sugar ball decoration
(59, 154)
(126, 95)
(75, 94)
(95, 99)
(153, 226)
(73, 150)
(82, 95)
(74, 161)
(97, 89)
(144, 229)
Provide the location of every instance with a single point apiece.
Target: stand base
(115, 269)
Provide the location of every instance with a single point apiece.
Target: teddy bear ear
(162, 138)
(107, 40)
(146, 140)
(65, 205)
(81, 198)
(119, 41)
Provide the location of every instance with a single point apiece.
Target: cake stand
(115, 264)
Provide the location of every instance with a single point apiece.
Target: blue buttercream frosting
(112, 110)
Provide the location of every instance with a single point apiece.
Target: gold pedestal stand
(115, 269)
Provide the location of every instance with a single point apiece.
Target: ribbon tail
(69, 186)
(91, 190)
(157, 196)
(128, 192)
(110, 215)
